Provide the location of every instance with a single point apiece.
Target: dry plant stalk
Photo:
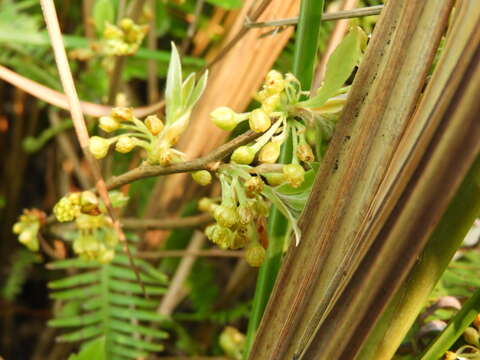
(382, 100)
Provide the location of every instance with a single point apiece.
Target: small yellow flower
(202, 177)
(243, 155)
(269, 153)
(225, 118)
(255, 255)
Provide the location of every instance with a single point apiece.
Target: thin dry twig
(167, 224)
(60, 100)
(182, 253)
(338, 15)
(175, 291)
(50, 16)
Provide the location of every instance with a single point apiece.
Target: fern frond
(112, 306)
(21, 263)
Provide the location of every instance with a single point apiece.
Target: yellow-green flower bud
(125, 144)
(294, 174)
(225, 118)
(275, 179)
(202, 177)
(262, 95)
(206, 204)
(222, 236)
(108, 124)
(255, 255)
(232, 342)
(305, 153)
(173, 132)
(112, 32)
(254, 186)
(17, 228)
(243, 155)
(154, 124)
(273, 75)
(276, 87)
(122, 114)
(126, 23)
(106, 256)
(471, 336)
(270, 103)
(269, 153)
(209, 231)
(259, 121)
(98, 146)
(225, 216)
(261, 208)
(449, 355)
(64, 210)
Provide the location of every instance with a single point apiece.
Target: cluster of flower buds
(151, 135)
(27, 228)
(71, 206)
(240, 213)
(124, 39)
(96, 238)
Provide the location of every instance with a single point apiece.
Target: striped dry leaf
(383, 98)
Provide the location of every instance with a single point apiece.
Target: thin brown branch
(208, 162)
(166, 224)
(338, 15)
(182, 253)
(60, 100)
(50, 16)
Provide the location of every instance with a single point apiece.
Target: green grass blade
(454, 329)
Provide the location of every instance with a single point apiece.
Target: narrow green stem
(455, 328)
(306, 43)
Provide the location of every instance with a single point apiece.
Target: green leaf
(103, 12)
(226, 4)
(82, 334)
(173, 91)
(339, 67)
(131, 329)
(197, 92)
(94, 350)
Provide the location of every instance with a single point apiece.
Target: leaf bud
(255, 255)
(108, 124)
(225, 118)
(98, 146)
(259, 121)
(294, 174)
(154, 124)
(243, 155)
(202, 177)
(269, 153)
(125, 144)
